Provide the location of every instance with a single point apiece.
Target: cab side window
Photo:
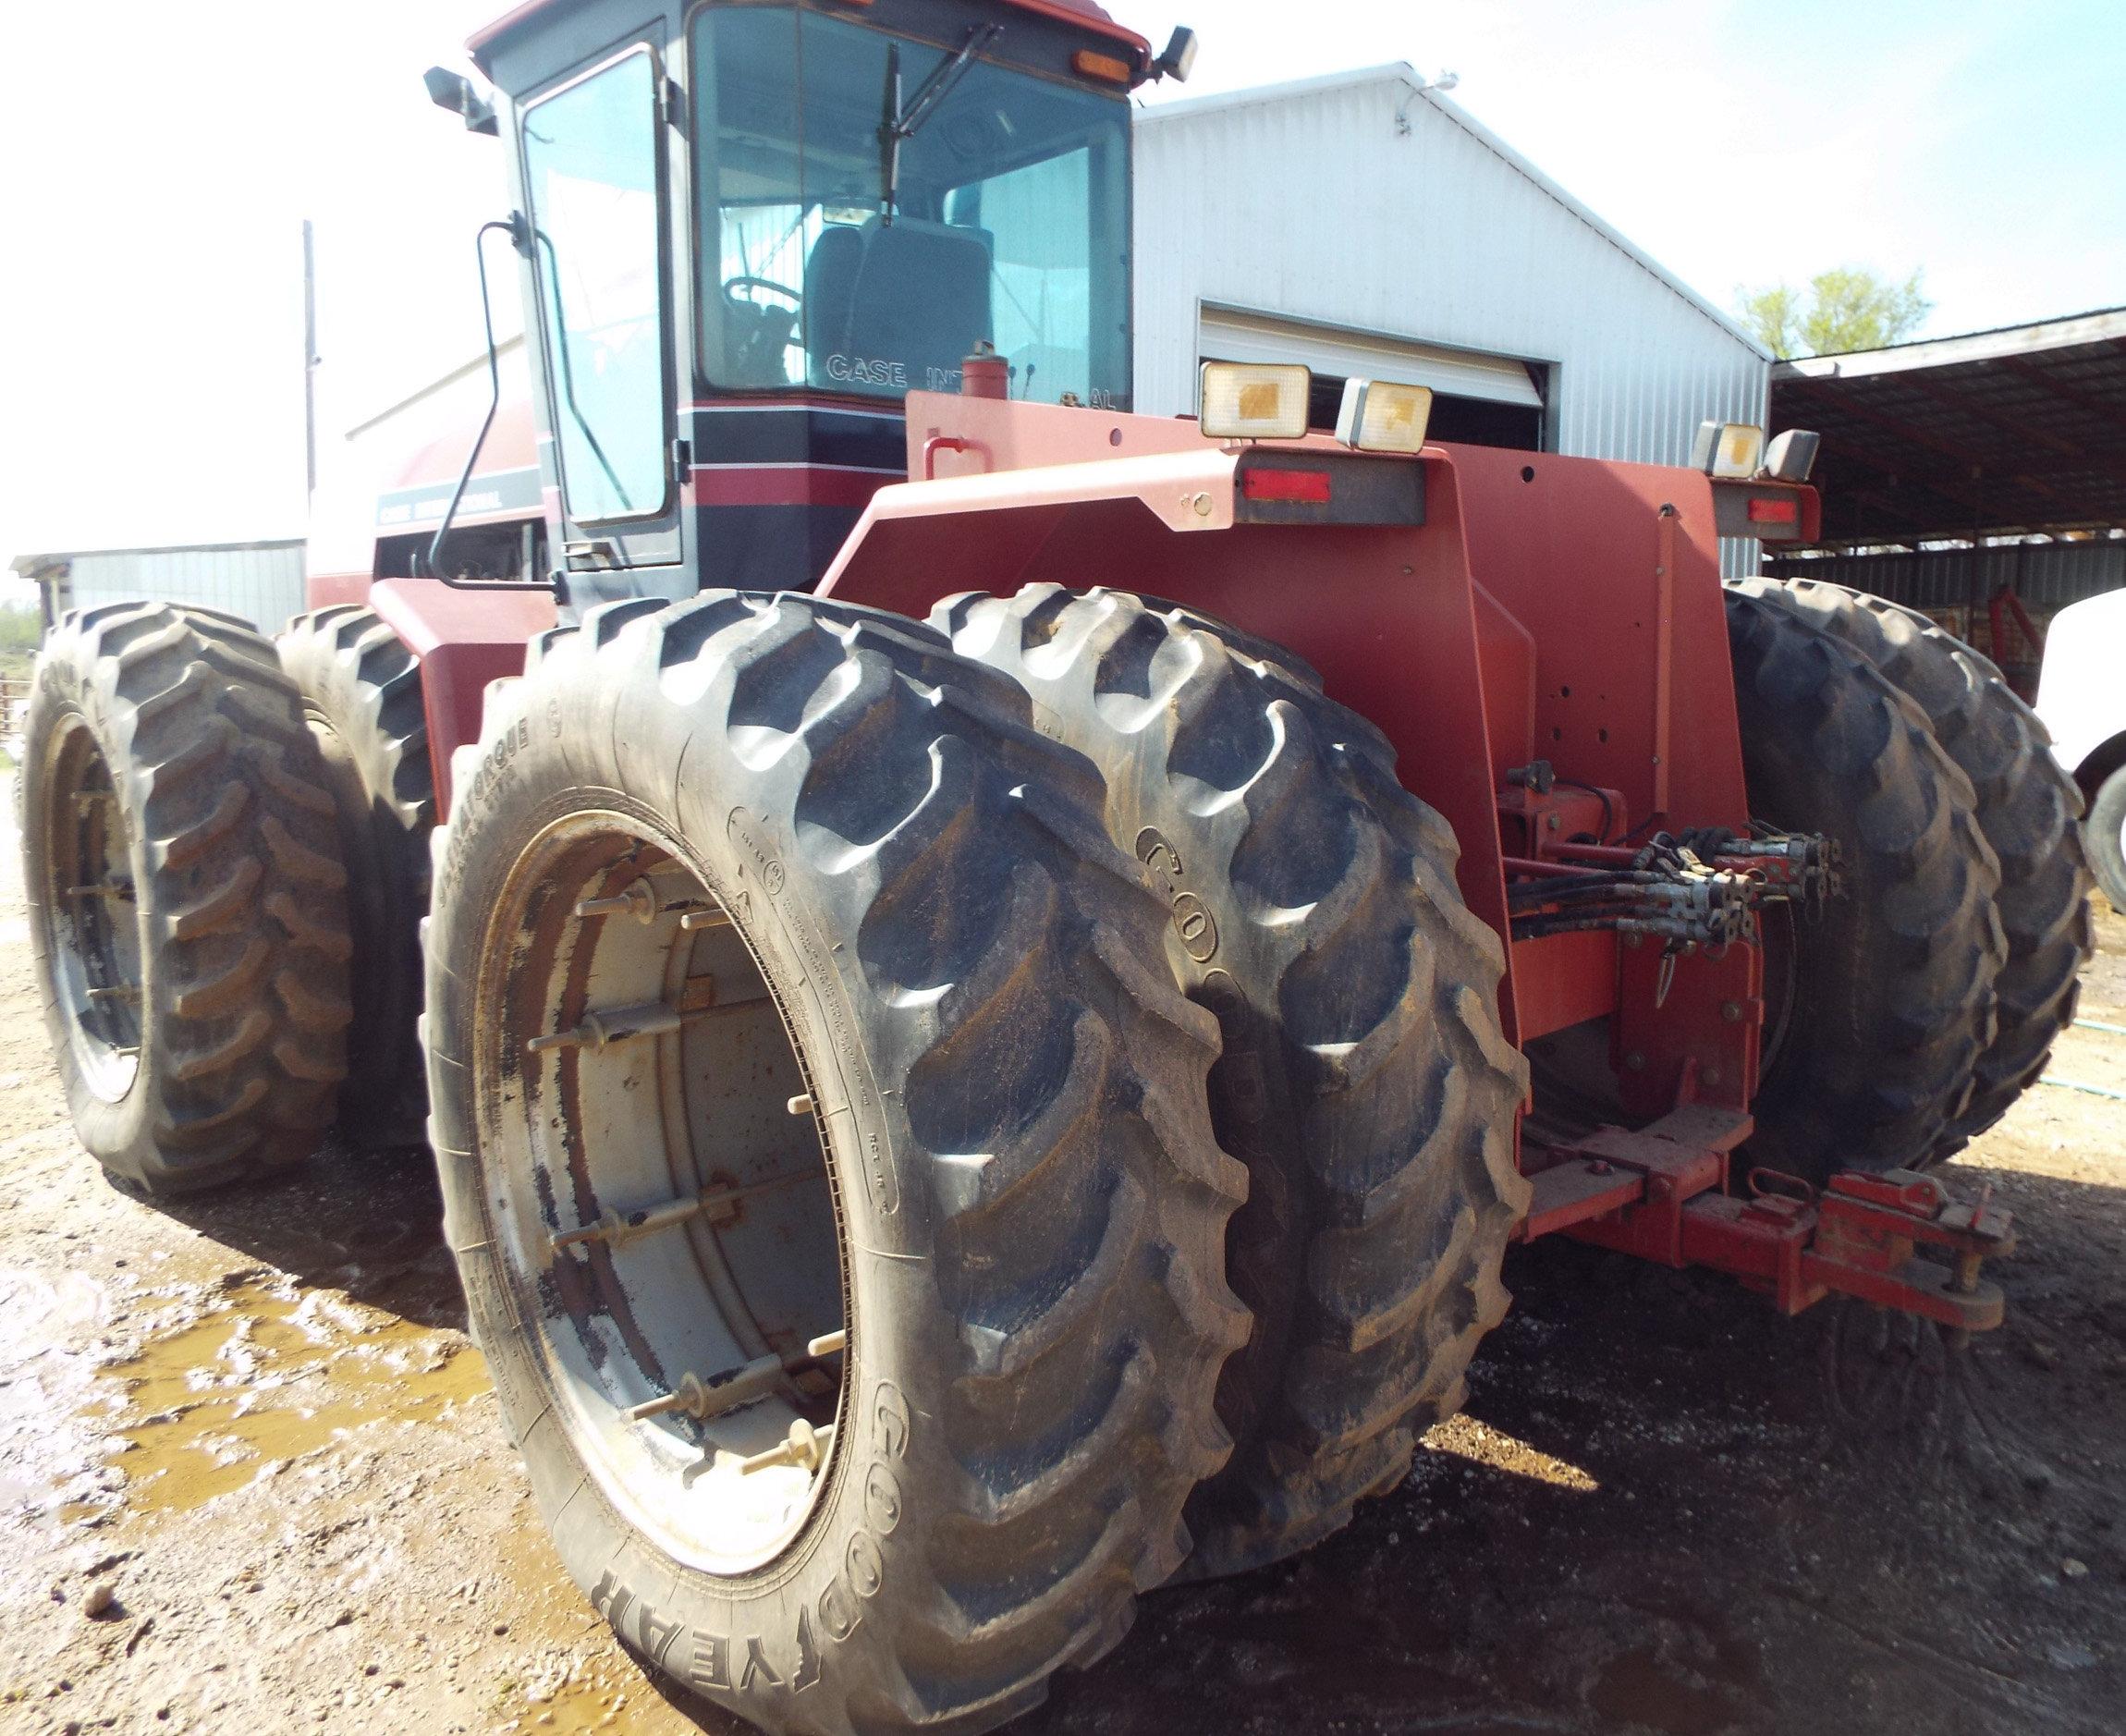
(591, 174)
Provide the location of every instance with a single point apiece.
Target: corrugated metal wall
(1954, 587)
(261, 582)
(1367, 205)
(2047, 576)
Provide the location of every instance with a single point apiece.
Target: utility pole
(309, 358)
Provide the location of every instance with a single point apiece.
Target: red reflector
(1312, 487)
(1784, 510)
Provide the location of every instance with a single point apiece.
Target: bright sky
(150, 385)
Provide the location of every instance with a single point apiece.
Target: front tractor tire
(1879, 1007)
(782, 986)
(187, 907)
(361, 698)
(1364, 1079)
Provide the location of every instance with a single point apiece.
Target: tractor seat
(912, 293)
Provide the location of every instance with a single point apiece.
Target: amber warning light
(1101, 66)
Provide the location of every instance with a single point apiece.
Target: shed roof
(2018, 428)
(1401, 72)
(34, 566)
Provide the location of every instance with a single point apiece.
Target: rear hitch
(1870, 1227)
(1661, 1194)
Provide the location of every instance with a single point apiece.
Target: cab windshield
(824, 264)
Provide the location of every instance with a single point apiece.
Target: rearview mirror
(454, 92)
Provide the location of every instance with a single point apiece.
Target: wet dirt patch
(265, 1377)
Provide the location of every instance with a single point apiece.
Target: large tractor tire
(360, 691)
(187, 907)
(1364, 1079)
(772, 912)
(2106, 836)
(1878, 1007)
(2027, 809)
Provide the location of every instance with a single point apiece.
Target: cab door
(595, 181)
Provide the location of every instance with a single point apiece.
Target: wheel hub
(91, 913)
(667, 1213)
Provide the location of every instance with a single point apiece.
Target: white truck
(2082, 699)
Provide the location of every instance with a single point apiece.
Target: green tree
(1846, 307)
(21, 627)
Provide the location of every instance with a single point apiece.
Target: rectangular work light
(1256, 400)
(1729, 449)
(1792, 455)
(1381, 416)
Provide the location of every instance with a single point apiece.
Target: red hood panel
(512, 446)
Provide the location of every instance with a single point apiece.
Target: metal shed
(259, 581)
(1364, 221)
(1980, 478)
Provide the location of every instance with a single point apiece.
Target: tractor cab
(747, 231)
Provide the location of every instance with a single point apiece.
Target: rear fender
(464, 640)
(1537, 608)
(1386, 612)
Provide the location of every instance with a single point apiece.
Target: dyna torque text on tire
(360, 691)
(2027, 808)
(1878, 1008)
(1364, 1080)
(783, 986)
(2106, 836)
(187, 907)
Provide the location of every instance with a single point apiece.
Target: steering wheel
(759, 334)
(733, 284)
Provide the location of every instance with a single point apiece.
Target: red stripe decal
(784, 485)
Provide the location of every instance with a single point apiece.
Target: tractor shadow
(1668, 1510)
(366, 1222)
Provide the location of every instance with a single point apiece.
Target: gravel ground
(251, 1478)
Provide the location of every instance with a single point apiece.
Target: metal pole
(308, 357)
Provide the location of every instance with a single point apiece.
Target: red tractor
(992, 986)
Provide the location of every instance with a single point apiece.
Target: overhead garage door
(1487, 400)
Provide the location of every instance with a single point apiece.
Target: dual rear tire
(361, 702)
(831, 861)
(187, 907)
(215, 826)
(1913, 1014)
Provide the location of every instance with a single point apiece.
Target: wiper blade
(900, 124)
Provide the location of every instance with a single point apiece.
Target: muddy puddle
(267, 1374)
